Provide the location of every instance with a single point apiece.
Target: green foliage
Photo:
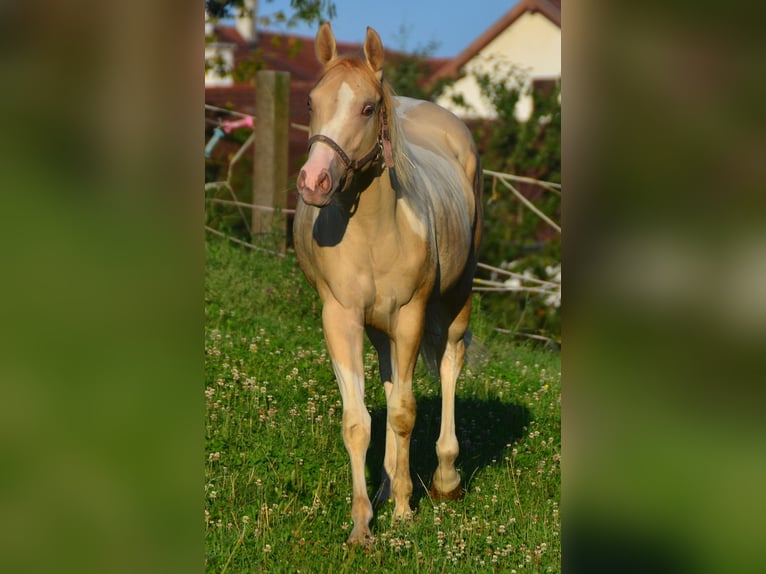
(406, 70)
(277, 479)
(310, 11)
(513, 234)
(529, 148)
(404, 73)
(313, 10)
(247, 66)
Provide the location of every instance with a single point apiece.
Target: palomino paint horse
(387, 233)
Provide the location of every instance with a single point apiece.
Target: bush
(515, 237)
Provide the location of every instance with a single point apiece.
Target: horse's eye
(308, 103)
(368, 110)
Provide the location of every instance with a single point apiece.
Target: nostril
(302, 179)
(324, 182)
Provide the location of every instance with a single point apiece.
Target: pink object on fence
(229, 125)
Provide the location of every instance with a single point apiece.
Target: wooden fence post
(272, 122)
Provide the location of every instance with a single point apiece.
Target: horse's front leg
(344, 332)
(408, 333)
(383, 346)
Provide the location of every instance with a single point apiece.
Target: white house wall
(532, 43)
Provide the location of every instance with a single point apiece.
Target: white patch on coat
(405, 104)
(417, 225)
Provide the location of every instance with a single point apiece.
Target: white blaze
(334, 128)
(321, 155)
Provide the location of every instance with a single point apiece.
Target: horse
(387, 232)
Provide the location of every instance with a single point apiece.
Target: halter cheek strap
(383, 144)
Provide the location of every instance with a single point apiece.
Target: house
(527, 38)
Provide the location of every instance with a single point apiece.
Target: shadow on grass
(483, 428)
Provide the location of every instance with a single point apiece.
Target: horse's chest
(376, 278)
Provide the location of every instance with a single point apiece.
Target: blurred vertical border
(101, 291)
(665, 305)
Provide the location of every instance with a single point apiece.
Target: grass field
(277, 478)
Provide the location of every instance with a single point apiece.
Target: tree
(406, 70)
(311, 11)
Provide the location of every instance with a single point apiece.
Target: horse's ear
(373, 51)
(325, 45)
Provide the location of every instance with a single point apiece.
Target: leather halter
(383, 144)
(353, 165)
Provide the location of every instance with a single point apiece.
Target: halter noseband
(353, 165)
(383, 144)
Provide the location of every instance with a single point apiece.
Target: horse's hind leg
(446, 480)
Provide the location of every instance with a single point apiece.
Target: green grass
(277, 479)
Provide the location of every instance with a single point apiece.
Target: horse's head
(344, 106)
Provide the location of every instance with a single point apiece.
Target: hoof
(403, 515)
(456, 494)
(363, 539)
